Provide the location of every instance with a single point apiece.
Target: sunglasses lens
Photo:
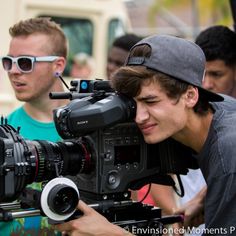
(25, 64)
(7, 63)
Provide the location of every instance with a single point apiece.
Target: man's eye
(151, 101)
(217, 75)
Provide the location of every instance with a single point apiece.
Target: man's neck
(41, 108)
(196, 131)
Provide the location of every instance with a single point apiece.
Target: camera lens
(62, 199)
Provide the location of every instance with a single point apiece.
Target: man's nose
(141, 114)
(14, 69)
(208, 83)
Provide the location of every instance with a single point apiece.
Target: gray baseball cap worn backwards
(176, 57)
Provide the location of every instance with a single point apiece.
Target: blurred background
(92, 25)
(183, 17)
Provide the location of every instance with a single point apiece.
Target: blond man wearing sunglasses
(37, 54)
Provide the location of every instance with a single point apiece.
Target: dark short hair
(126, 42)
(218, 43)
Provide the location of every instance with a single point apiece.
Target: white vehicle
(90, 26)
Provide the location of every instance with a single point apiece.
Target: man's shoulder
(17, 113)
(18, 118)
(229, 104)
(225, 113)
(31, 128)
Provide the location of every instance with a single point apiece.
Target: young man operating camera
(164, 75)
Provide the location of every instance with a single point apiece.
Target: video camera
(102, 157)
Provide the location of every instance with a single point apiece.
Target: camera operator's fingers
(64, 233)
(64, 227)
(198, 220)
(82, 206)
(177, 229)
(186, 218)
(192, 215)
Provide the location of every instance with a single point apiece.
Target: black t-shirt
(217, 161)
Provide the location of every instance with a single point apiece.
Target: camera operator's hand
(91, 223)
(193, 210)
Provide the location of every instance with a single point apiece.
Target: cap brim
(212, 97)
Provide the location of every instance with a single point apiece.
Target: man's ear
(59, 65)
(191, 96)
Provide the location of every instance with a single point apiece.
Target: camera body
(121, 161)
(125, 162)
(103, 153)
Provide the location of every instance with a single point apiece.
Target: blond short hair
(43, 25)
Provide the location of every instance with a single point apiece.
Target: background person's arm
(164, 197)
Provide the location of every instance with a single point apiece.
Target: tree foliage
(209, 12)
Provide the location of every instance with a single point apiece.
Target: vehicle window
(115, 29)
(80, 36)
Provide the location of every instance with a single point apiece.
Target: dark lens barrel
(17, 163)
(62, 158)
(23, 162)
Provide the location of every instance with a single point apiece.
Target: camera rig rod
(10, 215)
